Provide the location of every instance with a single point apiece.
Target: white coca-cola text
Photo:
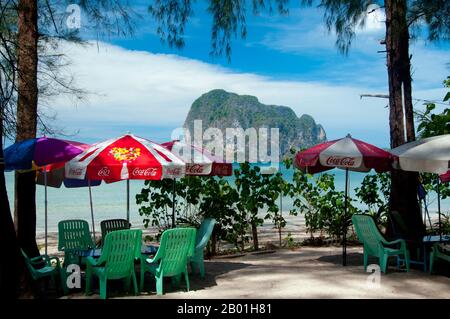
(104, 172)
(340, 161)
(145, 171)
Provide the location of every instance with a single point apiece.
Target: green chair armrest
(395, 242)
(38, 259)
(91, 261)
(202, 243)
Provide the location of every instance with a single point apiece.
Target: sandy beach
(268, 235)
(298, 273)
(302, 272)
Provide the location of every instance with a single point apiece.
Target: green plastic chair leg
(103, 284)
(383, 262)
(431, 261)
(366, 257)
(135, 287)
(407, 262)
(159, 285)
(63, 278)
(186, 278)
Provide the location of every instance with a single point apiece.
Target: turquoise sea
(110, 200)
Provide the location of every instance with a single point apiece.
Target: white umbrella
(428, 155)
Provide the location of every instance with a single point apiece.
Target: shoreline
(267, 235)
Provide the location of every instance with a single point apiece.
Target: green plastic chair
(116, 261)
(47, 270)
(439, 251)
(203, 235)
(110, 225)
(375, 244)
(73, 236)
(171, 259)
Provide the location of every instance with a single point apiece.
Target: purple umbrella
(32, 154)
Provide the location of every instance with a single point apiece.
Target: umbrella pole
(45, 209)
(439, 208)
(173, 201)
(128, 200)
(344, 241)
(92, 210)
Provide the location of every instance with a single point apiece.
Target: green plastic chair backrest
(119, 251)
(28, 264)
(204, 233)
(110, 225)
(73, 234)
(175, 247)
(368, 233)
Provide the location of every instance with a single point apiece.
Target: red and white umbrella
(199, 161)
(124, 158)
(346, 153)
(445, 178)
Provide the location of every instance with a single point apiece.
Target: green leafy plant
(290, 243)
(374, 193)
(256, 191)
(321, 204)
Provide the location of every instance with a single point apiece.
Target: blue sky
(143, 86)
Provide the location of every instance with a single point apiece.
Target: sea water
(109, 200)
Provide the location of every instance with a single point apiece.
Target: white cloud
(141, 89)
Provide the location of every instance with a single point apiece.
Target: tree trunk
(404, 185)
(10, 262)
(27, 101)
(255, 235)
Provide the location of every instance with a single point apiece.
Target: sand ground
(305, 272)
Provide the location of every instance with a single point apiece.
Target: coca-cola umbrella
(123, 158)
(346, 153)
(40, 153)
(199, 162)
(428, 155)
(445, 178)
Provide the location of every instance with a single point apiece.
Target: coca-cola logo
(145, 171)
(194, 169)
(174, 171)
(75, 171)
(104, 172)
(340, 161)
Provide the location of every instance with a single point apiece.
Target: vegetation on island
(222, 110)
